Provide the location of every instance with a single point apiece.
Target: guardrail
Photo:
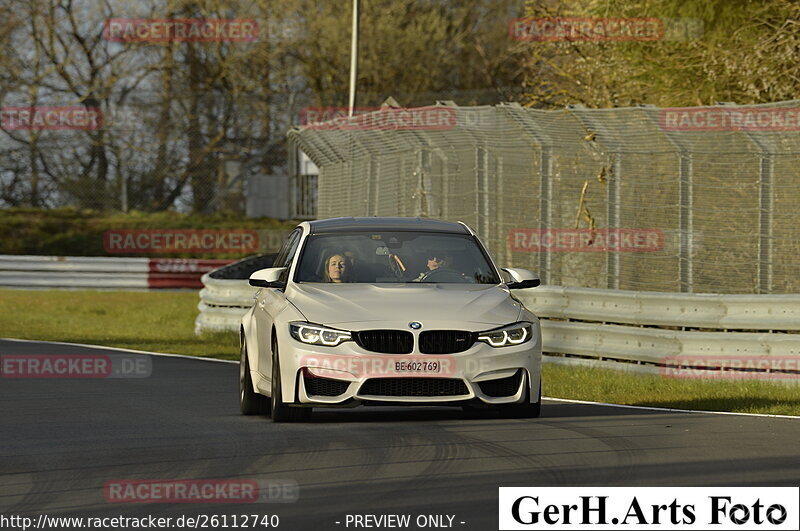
(631, 330)
(24, 271)
(691, 310)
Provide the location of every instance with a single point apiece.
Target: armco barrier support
(103, 272)
(608, 327)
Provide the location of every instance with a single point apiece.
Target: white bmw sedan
(388, 311)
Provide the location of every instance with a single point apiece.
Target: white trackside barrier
(625, 329)
(101, 272)
(689, 310)
(223, 302)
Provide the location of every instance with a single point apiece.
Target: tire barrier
(226, 294)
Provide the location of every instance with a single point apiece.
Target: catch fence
(698, 200)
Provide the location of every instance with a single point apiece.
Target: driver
(337, 268)
(435, 261)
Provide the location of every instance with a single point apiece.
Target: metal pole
(545, 217)
(686, 200)
(613, 217)
(766, 206)
(124, 192)
(353, 58)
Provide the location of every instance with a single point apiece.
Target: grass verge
(619, 387)
(142, 320)
(164, 322)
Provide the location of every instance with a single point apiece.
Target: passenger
(435, 261)
(336, 268)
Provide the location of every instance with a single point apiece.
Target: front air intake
(417, 387)
(446, 341)
(386, 341)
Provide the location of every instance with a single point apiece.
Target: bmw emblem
(414, 325)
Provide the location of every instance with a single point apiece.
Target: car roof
(385, 224)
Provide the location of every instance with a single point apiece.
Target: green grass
(155, 321)
(619, 387)
(164, 322)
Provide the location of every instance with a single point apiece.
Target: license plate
(418, 367)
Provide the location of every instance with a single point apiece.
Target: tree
(745, 54)
(415, 50)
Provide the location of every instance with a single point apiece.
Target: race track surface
(62, 440)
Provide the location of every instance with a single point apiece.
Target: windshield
(392, 257)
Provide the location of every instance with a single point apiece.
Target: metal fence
(720, 201)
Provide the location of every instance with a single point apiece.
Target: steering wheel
(396, 266)
(446, 275)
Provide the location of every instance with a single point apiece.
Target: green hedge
(72, 232)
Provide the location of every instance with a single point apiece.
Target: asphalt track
(62, 440)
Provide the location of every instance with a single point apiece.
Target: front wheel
(250, 402)
(280, 411)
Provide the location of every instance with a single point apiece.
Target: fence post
(482, 190)
(685, 202)
(530, 128)
(545, 211)
(765, 207)
(612, 214)
(765, 212)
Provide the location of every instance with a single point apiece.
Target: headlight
(318, 335)
(515, 334)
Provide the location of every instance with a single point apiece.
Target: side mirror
(268, 278)
(521, 278)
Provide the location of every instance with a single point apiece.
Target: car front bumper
(348, 375)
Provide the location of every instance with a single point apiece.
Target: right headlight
(318, 335)
(514, 334)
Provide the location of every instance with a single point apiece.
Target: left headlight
(318, 335)
(515, 334)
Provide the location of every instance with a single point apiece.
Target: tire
(525, 410)
(282, 412)
(250, 402)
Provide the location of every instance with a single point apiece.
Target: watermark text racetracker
(602, 29)
(722, 367)
(201, 491)
(54, 118)
(585, 240)
(378, 118)
(385, 365)
(730, 118)
(181, 241)
(74, 366)
(662, 508)
(180, 30)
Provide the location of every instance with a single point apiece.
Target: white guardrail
(631, 330)
(92, 272)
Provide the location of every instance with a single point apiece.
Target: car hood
(429, 303)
